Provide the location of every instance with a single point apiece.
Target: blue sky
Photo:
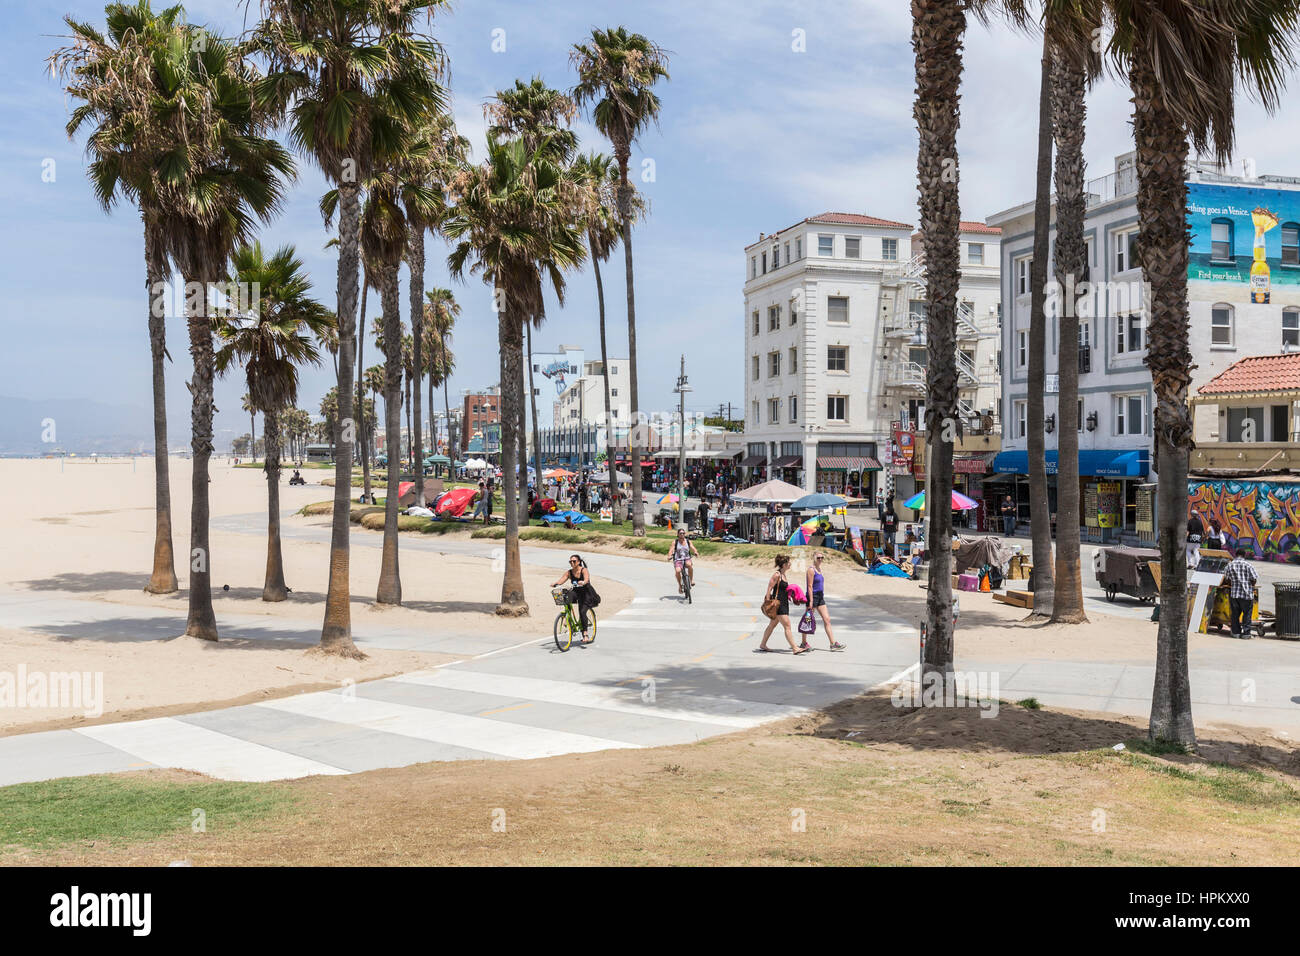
(754, 136)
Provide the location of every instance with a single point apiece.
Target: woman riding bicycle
(580, 591)
(680, 555)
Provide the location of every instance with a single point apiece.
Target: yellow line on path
(702, 657)
(502, 710)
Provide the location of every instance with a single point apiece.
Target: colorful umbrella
(959, 502)
(803, 534)
(667, 500)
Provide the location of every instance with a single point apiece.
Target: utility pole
(681, 390)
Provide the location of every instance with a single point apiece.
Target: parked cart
(1219, 615)
(1126, 571)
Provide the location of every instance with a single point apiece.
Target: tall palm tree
(128, 89)
(513, 224)
(1183, 59)
(440, 312)
(1068, 26)
(338, 68)
(277, 335)
(231, 175)
(246, 404)
(374, 381)
(616, 72)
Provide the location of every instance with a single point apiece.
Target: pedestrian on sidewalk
(777, 591)
(1195, 532)
(1241, 579)
(1008, 516)
(817, 602)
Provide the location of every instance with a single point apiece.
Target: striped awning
(843, 463)
(753, 460)
(789, 461)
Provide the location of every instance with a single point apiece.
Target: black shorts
(818, 599)
(783, 609)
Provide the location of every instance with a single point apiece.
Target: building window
(765, 263)
(1022, 349)
(1126, 250)
(774, 411)
(1088, 246)
(753, 267)
(773, 364)
(794, 360)
(837, 358)
(1022, 267)
(1290, 244)
(889, 250)
(754, 414)
(794, 314)
(776, 257)
(1221, 326)
(837, 308)
(1129, 415)
(755, 322)
(773, 318)
(613, 392)
(836, 408)
(1022, 418)
(1079, 420)
(794, 409)
(798, 248)
(1128, 333)
(975, 253)
(1221, 240)
(787, 254)
(1290, 328)
(852, 246)
(613, 370)
(755, 358)
(825, 245)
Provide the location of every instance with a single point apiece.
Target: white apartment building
(1115, 392)
(583, 401)
(835, 348)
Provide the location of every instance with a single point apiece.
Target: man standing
(1008, 516)
(1241, 579)
(1192, 549)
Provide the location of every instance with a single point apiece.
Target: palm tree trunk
(274, 587)
(390, 579)
(252, 435)
(1070, 112)
(202, 622)
(451, 448)
(405, 404)
(336, 630)
(532, 401)
(415, 260)
(1040, 518)
(634, 432)
(1162, 241)
(604, 364)
(937, 30)
(521, 449)
(361, 406)
(163, 578)
(510, 336)
(433, 427)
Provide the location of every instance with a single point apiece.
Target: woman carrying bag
(817, 606)
(776, 605)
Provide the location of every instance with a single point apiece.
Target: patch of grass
(1029, 703)
(653, 545)
(118, 808)
(445, 527)
(496, 532)
(1156, 748)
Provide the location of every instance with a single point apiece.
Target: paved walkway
(661, 672)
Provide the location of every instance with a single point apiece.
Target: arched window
(1290, 244)
(1221, 240)
(1221, 325)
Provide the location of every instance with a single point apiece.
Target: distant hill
(79, 425)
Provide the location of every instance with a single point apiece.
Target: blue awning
(1100, 463)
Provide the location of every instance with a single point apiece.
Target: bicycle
(566, 622)
(686, 583)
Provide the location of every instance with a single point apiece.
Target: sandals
(762, 650)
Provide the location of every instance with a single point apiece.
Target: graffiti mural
(1261, 515)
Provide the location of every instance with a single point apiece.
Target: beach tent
(602, 477)
(455, 501)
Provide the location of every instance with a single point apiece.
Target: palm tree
(1182, 59)
(600, 216)
(440, 312)
(513, 224)
(127, 96)
(271, 341)
(374, 381)
(246, 404)
(229, 175)
(616, 72)
(341, 70)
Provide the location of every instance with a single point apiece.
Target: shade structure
(818, 500)
(775, 491)
(601, 477)
(959, 502)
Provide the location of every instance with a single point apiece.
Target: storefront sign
(1146, 510)
(969, 466)
(1109, 504)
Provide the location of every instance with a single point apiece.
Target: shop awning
(1096, 462)
(753, 460)
(842, 463)
(788, 461)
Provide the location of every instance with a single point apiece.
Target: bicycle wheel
(563, 632)
(686, 584)
(591, 627)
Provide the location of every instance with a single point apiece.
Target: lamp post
(681, 390)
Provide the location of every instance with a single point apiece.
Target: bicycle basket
(558, 595)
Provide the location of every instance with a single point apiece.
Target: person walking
(817, 602)
(1192, 548)
(481, 508)
(1008, 516)
(889, 530)
(777, 590)
(1241, 580)
(1214, 536)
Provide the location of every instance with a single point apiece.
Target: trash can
(1286, 597)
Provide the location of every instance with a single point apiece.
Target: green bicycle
(566, 622)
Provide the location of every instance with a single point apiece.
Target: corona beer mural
(1263, 515)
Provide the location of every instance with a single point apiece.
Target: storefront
(848, 469)
(968, 473)
(1114, 495)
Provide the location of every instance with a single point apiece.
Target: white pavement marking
(173, 743)
(724, 711)
(500, 737)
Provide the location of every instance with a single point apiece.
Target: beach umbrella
(455, 501)
(959, 502)
(666, 500)
(803, 534)
(818, 500)
(774, 491)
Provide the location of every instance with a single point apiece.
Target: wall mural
(1263, 515)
